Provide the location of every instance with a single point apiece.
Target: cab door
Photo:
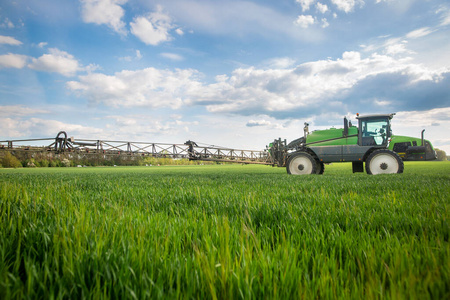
(373, 132)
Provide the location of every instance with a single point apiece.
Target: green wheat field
(224, 232)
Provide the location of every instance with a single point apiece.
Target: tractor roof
(390, 116)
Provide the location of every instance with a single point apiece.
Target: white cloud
(304, 21)
(90, 68)
(379, 102)
(148, 87)
(13, 61)
(424, 31)
(7, 24)
(423, 118)
(108, 12)
(140, 127)
(126, 58)
(154, 28)
(19, 127)
(389, 45)
(252, 123)
(179, 31)
(279, 63)
(325, 23)
(20, 110)
(56, 61)
(323, 8)
(347, 5)
(9, 40)
(122, 121)
(172, 56)
(137, 56)
(397, 48)
(445, 15)
(305, 4)
(42, 44)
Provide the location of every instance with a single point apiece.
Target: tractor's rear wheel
(301, 163)
(384, 162)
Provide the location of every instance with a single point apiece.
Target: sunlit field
(225, 232)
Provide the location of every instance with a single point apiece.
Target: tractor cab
(374, 130)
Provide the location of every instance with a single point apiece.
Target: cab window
(374, 132)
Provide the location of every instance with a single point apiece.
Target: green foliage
(30, 163)
(225, 232)
(43, 163)
(65, 162)
(441, 155)
(54, 163)
(10, 161)
(37, 159)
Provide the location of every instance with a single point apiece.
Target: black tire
(301, 163)
(320, 167)
(384, 162)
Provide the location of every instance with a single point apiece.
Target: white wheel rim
(383, 164)
(300, 165)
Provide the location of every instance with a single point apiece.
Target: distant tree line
(441, 155)
(31, 160)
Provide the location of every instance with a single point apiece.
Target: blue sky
(229, 73)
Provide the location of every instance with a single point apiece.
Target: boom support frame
(189, 150)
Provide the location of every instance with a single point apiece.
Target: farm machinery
(371, 142)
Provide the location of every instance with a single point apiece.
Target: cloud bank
(375, 83)
(149, 87)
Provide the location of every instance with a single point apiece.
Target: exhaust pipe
(422, 137)
(417, 149)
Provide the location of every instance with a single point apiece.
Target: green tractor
(371, 143)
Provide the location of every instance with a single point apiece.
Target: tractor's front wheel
(320, 167)
(384, 162)
(301, 163)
